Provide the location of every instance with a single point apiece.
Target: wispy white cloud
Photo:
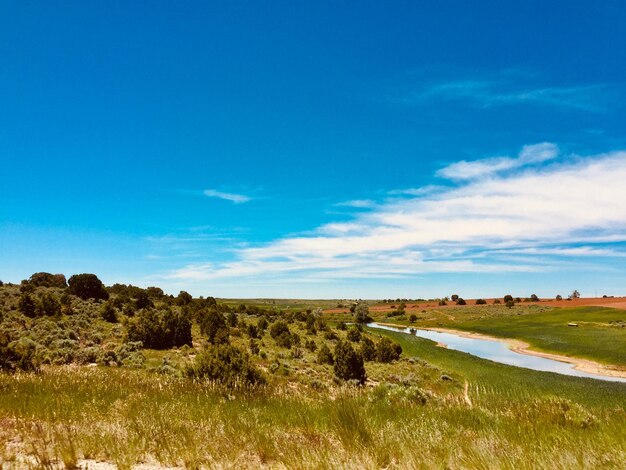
(236, 198)
(357, 203)
(538, 212)
(530, 154)
(504, 91)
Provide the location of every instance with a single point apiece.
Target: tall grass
(126, 417)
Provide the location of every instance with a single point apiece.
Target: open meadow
(145, 380)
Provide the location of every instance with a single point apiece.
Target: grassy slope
(515, 418)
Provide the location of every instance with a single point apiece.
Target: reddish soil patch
(613, 302)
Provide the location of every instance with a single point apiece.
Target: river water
(497, 351)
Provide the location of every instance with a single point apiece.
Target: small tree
(26, 305)
(348, 363)
(226, 365)
(354, 335)
(461, 301)
(534, 298)
(413, 318)
(87, 286)
(510, 303)
(213, 325)
(454, 297)
(507, 298)
(107, 312)
(575, 295)
(325, 356)
(143, 300)
(368, 349)
(362, 313)
(559, 297)
(387, 351)
(481, 301)
(49, 306)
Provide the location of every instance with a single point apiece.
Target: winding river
(497, 351)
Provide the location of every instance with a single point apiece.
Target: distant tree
(143, 300)
(441, 303)
(354, 335)
(368, 349)
(325, 356)
(559, 297)
(348, 363)
(48, 280)
(155, 292)
(26, 305)
(226, 365)
(575, 295)
(387, 351)
(461, 301)
(232, 319)
(481, 301)
(213, 325)
(534, 298)
(262, 324)
(49, 306)
(184, 298)
(454, 297)
(507, 298)
(413, 318)
(107, 312)
(87, 286)
(362, 313)
(510, 303)
(160, 329)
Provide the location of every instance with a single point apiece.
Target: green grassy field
(100, 396)
(599, 336)
(410, 417)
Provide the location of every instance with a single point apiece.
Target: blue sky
(321, 149)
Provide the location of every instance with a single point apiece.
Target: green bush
(213, 325)
(325, 356)
(87, 286)
(368, 349)
(348, 363)
(387, 351)
(354, 335)
(160, 329)
(227, 365)
(17, 355)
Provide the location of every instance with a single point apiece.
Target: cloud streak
(530, 154)
(504, 92)
(232, 197)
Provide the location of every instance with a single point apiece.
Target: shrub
(496, 301)
(413, 318)
(368, 349)
(354, 335)
(213, 325)
(559, 297)
(461, 301)
(143, 300)
(254, 347)
(227, 365)
(534, 298)
(510, 303)
(160, 329)
(262, 324)
(311, 346)
(325, 356)
(17, 355)
(107, 312)
(507, 298)
(348, 363)
(232, 319)
(48, 280)
(454, 297)
(481, 301)
(49, 306)
(362, 313)
(87, 286)
(278, 329)
(26, 305)
(387, 351)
